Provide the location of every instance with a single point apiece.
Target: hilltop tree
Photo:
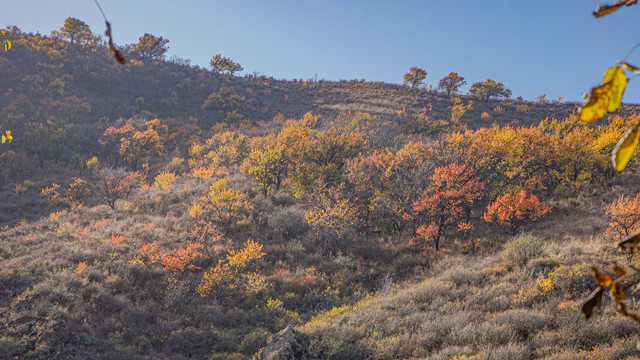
(77, 31)
(488, 89)
(415, 76)
(451, 83)
(151, 47)
(221, 64)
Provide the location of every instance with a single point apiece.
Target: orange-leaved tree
(511, 211)
(624, 213)
(445, 201)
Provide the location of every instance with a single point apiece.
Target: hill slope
(158, 210)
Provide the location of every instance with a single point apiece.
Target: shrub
(522, 248)
(461, 275)
(572, 279)
(254, 341)
(524, 322)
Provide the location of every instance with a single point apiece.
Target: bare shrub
(511, 351)
(463, 275)
(288, 222)
(524, 322)
(520, 249)
(494, 298)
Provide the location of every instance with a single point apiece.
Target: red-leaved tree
(511, 211)
(443, 204)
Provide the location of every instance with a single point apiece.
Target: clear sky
(532, 46)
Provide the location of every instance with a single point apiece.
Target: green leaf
(606, 97)
(625, 147)
(594, 300)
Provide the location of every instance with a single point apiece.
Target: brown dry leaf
(116, 53)
(603, 280)
(630, 243)
(594, 300)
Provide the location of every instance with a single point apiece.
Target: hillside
(159, 210)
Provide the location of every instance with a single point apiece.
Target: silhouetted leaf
(606, 97)
(630, 243)
(617, 293)
(632, 68)
(594, 300)
(603, 280)
(602, 10)
(116, 53)
(619, 271)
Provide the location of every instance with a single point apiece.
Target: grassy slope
(514, 298)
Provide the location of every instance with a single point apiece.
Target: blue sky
(533, 47)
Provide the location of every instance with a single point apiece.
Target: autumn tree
(114, 184)
(451, 83)
(73, 195)
(233, 272)
(133, 144)
(511, 211)
(489, 89)
(151, 47)
(225, 204)
(332, 217)
(221, 64)
(415, 76)
(110, 141)
(77, 31)
(624, 216)
(443, 203)
(268, 163)
(321, 154)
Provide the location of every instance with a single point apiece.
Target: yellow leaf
(606, 97)
(4, 139)
(625, 147)
(603, 10)
(9, 136)
(7, 45)
(4, 32)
